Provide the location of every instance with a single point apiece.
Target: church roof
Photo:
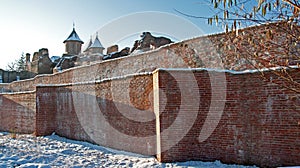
(96, 43)
(73, 37)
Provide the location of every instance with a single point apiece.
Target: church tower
(73, 43)
(96, 47)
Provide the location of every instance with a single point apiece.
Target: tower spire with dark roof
(73, 43)
(73, 36)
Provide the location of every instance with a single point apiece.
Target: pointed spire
(89, 44)
(73, 36)
(96, 43)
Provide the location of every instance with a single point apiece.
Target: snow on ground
(28, 151)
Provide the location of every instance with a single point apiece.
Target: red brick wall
(115, 113)
(260, 123)
(46, 102)
(17, 112)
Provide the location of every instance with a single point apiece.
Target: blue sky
(28, 25)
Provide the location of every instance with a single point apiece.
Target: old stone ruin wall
(41, 63)
(126, 104)
(10, 76)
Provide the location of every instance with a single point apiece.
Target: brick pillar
(156, 112)
(45, 110)
(176, 104)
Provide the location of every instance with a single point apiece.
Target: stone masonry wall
(17, 112)
(258, 124)
(10, 76)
